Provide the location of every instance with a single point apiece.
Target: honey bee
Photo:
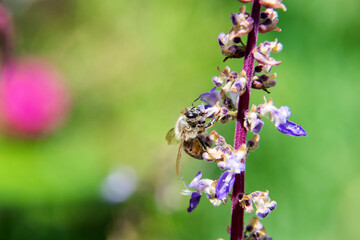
(256, 230)
(189, 131)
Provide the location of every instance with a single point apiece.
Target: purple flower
(233, 18)
(279, 117)
(263, 59)
(224, 185)
(211, 97)
(200, 186)
(194, 201)
(291, 128)
(222, 39)
(258, 123)
(234, 164)
(217, 81)
(272, 205)
(196, 183)
(263, 213)
(263, 203)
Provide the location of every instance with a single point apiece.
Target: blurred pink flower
(33, 98)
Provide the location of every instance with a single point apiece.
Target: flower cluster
(232, 85)
(261, 201)
(227, 158)
(278, 116)
(229, 43)
(200, 186)
(221, 104)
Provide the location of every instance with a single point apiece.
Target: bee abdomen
(194, 148)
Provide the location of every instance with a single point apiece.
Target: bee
(256, 230)
(189, 131)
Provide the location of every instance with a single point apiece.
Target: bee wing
(170, 137)
(178, 158)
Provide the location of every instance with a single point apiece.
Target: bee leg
(265, 89)
(212, 122)
(203, 143)
(242, 43)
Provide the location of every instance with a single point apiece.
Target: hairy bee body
(189, 130)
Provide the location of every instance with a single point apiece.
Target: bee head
(192, 113)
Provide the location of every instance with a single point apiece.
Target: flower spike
(229, 100)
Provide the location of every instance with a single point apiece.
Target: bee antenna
(195, 101)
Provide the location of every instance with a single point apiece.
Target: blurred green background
(131, 66)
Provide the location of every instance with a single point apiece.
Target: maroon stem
(237, 212)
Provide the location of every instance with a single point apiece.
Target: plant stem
(237, 212)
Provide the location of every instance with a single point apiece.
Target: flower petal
(210, 97)
(196, 180)
(291, 128)
(234, 164)
(263, 212)
(224, 185)
(257, 125)
(263, 59)
(194, 201)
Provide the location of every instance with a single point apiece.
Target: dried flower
(262, 53)
(229, 48)
(243, 24)
(227, 157)
(232, 86)
(268, 21)
(246, 203)
(273, 4)
(262, 68)
(261, 201)
(219, 140)
(252, 120)
(264, 82)
(239, 84)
